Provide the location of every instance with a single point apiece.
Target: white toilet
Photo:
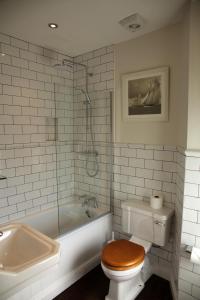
(124, 262)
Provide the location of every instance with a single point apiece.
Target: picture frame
(145, 95)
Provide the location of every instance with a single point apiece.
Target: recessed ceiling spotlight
(53, 25)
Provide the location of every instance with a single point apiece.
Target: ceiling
(84, 25)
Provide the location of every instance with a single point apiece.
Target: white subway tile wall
(180, 160)
(189, 273)
(31, 90)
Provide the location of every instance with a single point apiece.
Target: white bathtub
(80, 250)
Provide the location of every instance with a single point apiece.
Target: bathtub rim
(61, 235)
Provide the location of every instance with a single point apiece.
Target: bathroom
(71, 155)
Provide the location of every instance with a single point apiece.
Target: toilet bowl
(122, 262)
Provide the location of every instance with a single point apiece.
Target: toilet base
(125, 290)
(129, 289)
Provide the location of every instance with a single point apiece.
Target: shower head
(68, 63)
(62, 66)
(58, 66)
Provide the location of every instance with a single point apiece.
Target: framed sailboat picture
(145, 95)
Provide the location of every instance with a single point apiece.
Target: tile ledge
(193, 153)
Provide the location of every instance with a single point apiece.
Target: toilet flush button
(159, 223)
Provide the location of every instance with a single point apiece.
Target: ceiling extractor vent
(132, 23)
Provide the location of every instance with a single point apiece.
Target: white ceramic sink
(22, 247)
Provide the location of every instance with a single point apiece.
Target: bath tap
(88, 213)
(93, 200)
(84, 200)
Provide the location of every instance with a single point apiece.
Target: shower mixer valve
(88, 201)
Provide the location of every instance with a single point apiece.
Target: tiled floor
(94, 286)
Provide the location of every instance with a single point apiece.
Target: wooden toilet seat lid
(122, 255)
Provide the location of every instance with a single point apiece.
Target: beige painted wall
(193, 139)
(166, 47)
